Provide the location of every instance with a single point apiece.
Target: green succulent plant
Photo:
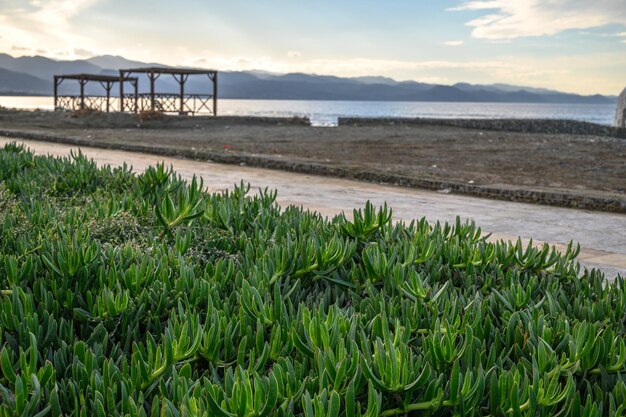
(126, 295)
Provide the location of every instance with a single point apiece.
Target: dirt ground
(591, 164)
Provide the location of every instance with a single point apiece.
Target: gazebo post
(182, 92)
(136, 83)
(122, 91)
(56, 91)
(215, 93)
(108, 88)
(82, 93)
(152, 106)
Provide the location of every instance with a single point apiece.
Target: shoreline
(284, 144)
(425, 110)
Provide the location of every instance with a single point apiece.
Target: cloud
(19, 48)
(348, 67)
(619, 35)
(605, 35)
(83, 52)
(454, 43)
(294, 54)
(511, 19)
(475, 5)
(44, 23)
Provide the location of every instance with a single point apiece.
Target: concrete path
(601, 235)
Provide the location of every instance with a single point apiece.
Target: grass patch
(141, 295)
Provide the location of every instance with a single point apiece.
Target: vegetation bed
(141, 295)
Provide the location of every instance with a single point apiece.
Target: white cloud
(605, 35)
(475, 5)
(45, 23)
(510, 19)
(343, 67)
(294, 54)
(454, 43)
(80, 52)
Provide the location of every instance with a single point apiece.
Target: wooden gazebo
(181, 102)
(82, 101)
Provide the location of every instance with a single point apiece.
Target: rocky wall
(548, 126)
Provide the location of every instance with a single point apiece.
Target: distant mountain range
(33, 75)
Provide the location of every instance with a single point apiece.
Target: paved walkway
(601, 235)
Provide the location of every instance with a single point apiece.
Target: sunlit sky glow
(569, 45)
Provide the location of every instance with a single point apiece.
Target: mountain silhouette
(33, 75)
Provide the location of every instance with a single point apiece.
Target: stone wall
(571, 127)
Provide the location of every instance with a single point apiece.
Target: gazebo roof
(169, 70)
(94, 77)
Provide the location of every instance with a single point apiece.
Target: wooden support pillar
(182, 95)
(136, 83)
(108, 87)
(56, 92)
(152, 103)
(82, 93)
(215, 94)
(122, 91)
(182, 81)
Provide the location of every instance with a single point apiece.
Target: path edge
(577, 200)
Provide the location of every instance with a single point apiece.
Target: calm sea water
(325, 113)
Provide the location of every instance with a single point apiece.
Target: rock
(620, 117)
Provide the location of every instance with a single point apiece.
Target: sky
(570, 45)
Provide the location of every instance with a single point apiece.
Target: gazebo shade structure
(181, 103)
(84, 101)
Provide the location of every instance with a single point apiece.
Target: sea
(326, 113)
